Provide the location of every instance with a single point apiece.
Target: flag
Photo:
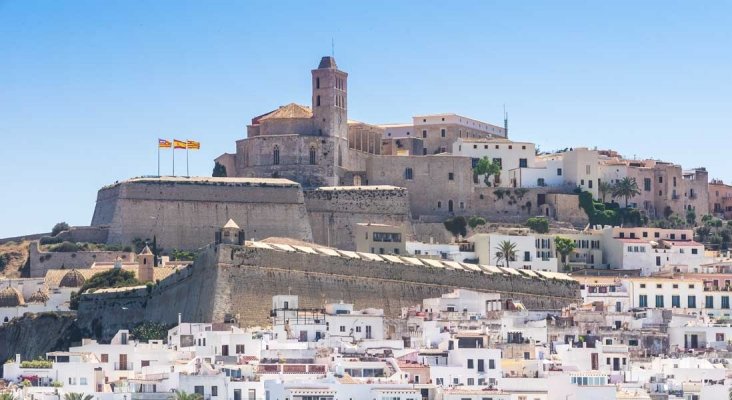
(164, 144)
(193, 145)
(179, 144)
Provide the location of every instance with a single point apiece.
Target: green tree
(564, 247)
(219, 170)
(506, 251)
(60, 227)
(538, 224)
(487, 168)
(457, 226)
(605, 188)
(182, 395)
(626, 188)
(475, 221)
(78, 396)
(112, 278)
(149, 330)
(690, 217)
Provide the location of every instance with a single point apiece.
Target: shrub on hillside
(538, 224)
(60, 227)
(475, 221)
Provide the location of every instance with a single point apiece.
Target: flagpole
(173, 158)
(158, 159)
(187, 173)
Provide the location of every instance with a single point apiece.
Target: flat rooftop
(206, 180)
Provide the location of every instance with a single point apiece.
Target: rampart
(335, 211)
(239, 281)
(185, 212)
(42, 261)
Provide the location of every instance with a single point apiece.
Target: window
(317, 83)
(642, 285)
(491, 364)
(643, 300)
(317, 101)
(589, 183)
(694, 251)
(691, 302)
(424, 133)
(675, 301)
(240, 349)
(214, 391)
(451, 176)
(675, 285)
(725, 302)
(105, 358)
(660, 179)
(471, 381)
(312, 155)
(587, 169)
(523, 163)
(342, 328)
(82, 381)
(198, 390)
(659, 301)
(442, 132)
(439, 204)
(559, 172)
(481, 366)
(709, 302)
(470, 364)
(540, 182)
(408, 174)
(659, 286)
(647, 184)
(276, 155)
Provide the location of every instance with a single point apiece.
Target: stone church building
(308, 145)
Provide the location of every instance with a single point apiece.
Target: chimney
(179, 318)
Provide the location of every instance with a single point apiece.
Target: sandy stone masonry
(230, 281)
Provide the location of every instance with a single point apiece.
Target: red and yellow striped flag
(164, 144)
(193, 145)
(179, 144)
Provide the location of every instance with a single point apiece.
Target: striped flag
(193, 145)
(164, 144)
(179, 144)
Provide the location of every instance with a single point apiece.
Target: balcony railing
(123, 366)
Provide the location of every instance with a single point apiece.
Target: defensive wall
(185, 212)
(239, 281)
(42, 261)
(335, 211)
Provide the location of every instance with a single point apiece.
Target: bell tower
(330, 100)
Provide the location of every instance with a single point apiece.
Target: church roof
(146, 251)
(72, 278)
(11, 297)
(231, 224)
(327, 63)
(291, 110)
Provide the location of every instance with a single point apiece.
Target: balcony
(123, 366)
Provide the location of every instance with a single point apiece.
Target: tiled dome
(11, 297)
(72, 278)
(39, 297)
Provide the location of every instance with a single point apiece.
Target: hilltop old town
(442, 258)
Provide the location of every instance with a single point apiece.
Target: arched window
(312, 155)
(317, 101)
(276, 155)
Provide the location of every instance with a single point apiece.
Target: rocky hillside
(13, 257)
(35, 334)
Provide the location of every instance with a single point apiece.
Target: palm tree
(506, 250)
(604, 188)
(626, 188)
(77, 396)
(182, 395)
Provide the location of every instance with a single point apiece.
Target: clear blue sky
(87, 87)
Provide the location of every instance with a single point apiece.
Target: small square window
(451, 176)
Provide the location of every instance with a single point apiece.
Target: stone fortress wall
(228, 280)
(335, 211)
(185, 212)
(42, 261)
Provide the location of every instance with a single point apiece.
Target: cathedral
(308, 145)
